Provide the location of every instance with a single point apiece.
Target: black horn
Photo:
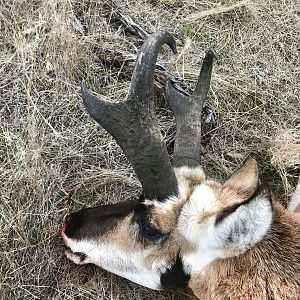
(133, 123)
(187, 111)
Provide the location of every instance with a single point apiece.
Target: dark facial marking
(148, 233)
(81, 255)
(96, 221)
(175, 277)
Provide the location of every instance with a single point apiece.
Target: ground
(55, 159)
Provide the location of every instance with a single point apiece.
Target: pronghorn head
(157, 241)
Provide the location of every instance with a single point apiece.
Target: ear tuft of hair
(243, 225)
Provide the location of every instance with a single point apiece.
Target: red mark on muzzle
(63, 235)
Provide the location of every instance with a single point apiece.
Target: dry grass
(55, 159)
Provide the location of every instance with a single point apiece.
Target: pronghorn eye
(147, 230)
(150, 231)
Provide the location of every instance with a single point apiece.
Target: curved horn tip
(172, 44)
(169, 38)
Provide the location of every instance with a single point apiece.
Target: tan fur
(195, 178)
(271, 270)
(268, 270)
(246, 177)
(126, 238)
(242, 183)
(166, 218)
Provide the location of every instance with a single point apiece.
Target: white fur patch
(295, 199)
(192, 222)
(166, 205)
(235, 234)
(198, 228)
(183, 175)
(246, 227)
(110, 257)
(195, 262)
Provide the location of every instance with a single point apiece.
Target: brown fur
(166, 220)
(245, 177)
(241, 185)
(127, 240)
(271, 270)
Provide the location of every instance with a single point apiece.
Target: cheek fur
(131, 265)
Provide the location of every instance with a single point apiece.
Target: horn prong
(187, 111)
(133, 123)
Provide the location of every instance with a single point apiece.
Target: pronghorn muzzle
(93, 222)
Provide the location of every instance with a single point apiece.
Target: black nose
(71, 225)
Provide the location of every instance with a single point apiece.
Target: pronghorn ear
(242, 184)
(241, 226)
